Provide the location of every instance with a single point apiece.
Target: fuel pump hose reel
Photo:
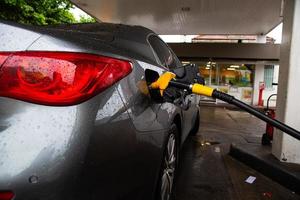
(168, 79)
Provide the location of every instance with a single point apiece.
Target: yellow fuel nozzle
(163, 81)
(166, 79)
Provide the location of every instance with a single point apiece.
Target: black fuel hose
(167, 79)
(279, 125)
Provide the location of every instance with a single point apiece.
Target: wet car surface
(76, 118)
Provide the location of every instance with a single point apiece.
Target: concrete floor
(208, 172)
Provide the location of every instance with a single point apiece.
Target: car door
(168, 59)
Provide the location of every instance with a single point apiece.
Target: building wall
(259, 77)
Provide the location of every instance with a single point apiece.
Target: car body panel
(16, 39)
(108, 147)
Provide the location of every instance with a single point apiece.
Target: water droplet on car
(33, 179)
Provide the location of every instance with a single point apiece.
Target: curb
(268, 167)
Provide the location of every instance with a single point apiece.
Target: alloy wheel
(169, 166)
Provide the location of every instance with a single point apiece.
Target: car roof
(130, 40)
(135, 33)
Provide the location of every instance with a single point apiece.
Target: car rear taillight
(58, 78)
(3, 57)
(6, 195)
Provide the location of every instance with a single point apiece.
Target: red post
(261, 89)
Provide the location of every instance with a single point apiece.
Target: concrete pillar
(285, 147)
(258, 77)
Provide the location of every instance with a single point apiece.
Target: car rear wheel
(169, 166)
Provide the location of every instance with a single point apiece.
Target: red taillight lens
(6, 195)
(3, 57)
(58, 78)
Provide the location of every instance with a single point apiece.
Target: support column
(286, 148)
(258, 77)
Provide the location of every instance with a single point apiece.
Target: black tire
(168, 169)
(196, 125)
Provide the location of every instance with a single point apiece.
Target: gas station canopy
(189, 16)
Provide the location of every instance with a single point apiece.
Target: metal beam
(227, 51)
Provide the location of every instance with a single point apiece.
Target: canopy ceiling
(189, 17)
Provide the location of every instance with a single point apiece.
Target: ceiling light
(231, 69)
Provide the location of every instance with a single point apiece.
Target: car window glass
(176, 63)
(164, 54)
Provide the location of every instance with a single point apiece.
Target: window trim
(153, 51)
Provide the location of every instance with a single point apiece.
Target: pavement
(206, 169)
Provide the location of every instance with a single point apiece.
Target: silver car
(76, 117)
